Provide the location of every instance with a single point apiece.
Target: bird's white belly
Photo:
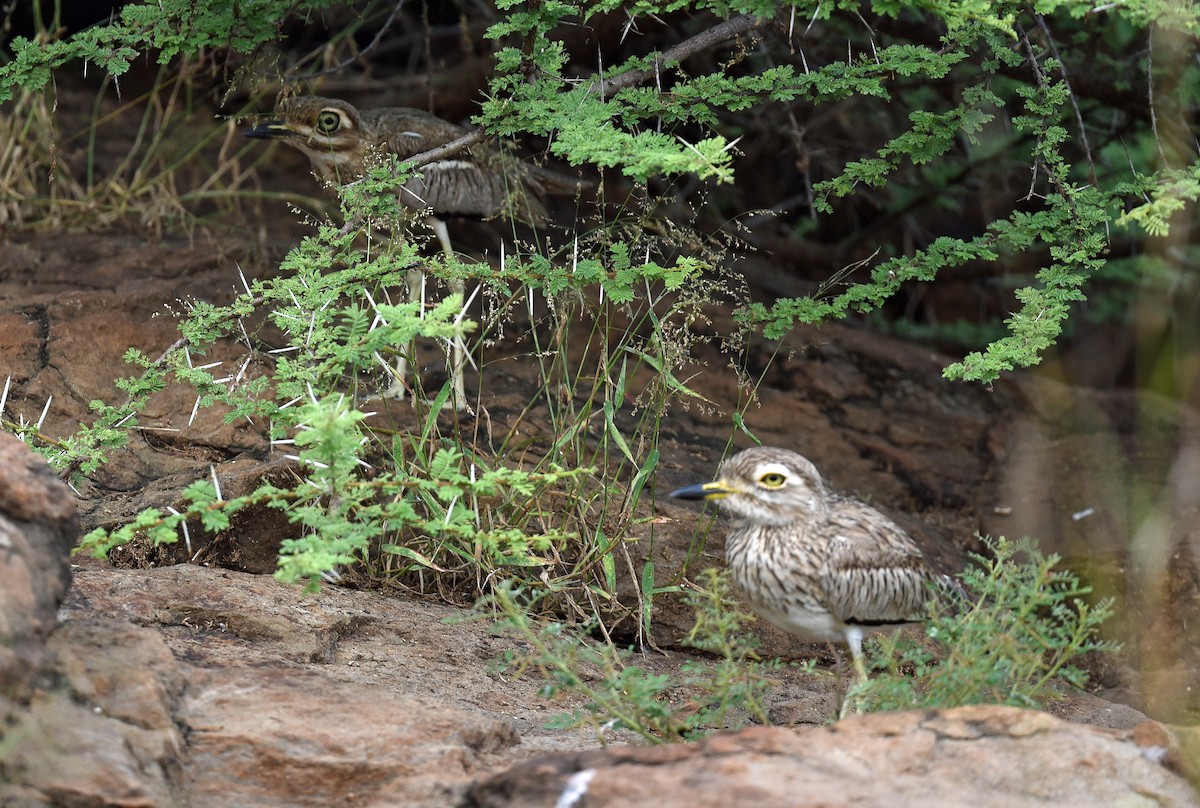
(807, 624)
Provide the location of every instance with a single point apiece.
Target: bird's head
(327, 130)
(765, 485)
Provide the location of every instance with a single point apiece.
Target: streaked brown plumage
(340, 142)
(820, 566)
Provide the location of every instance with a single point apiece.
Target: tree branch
(673, 56)
(447, 149)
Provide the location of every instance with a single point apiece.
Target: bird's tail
(556, 183)
(952, 594)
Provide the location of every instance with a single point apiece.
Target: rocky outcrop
(86, 708)
(102, 732)
(984, 757)
(190, 686)
(37, 529)
(304, 738)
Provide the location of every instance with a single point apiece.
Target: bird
(341, 142)
(820, 566)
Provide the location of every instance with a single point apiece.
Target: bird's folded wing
(408, 132)
(873, 572)
(461, 188)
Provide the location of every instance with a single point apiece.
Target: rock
(980, 756)
(262, 737)
(285, 699)
(121, 671)
(207, 687)
(37, 529)
(86, 709)
(105, 735)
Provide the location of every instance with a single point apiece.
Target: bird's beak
(717, 489)
(269, 129)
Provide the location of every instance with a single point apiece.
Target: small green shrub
(1011, 644)
(427, 518)
(436, 504)
(619, 694)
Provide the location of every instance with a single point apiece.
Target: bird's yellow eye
(773, 479)
(328, 122)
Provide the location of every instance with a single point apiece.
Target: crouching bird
(817, 565)
(341, 141)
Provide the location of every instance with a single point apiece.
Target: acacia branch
(1062, 68)
(447, 149)
(672, 56)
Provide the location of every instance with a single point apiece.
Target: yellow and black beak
(717, 489)
(269, 129)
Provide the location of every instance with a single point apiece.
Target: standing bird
(340, 142)
(817, 565)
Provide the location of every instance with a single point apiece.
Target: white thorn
(216, 483)
(312, 324)
(474, 292)
(187, 538)
(46, 410)
(242, 370)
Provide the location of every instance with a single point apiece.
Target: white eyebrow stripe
(774, 468)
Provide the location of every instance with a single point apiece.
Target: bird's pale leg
(397, 389)
(854, 639)
(457, 352)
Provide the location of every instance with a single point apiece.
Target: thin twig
(1162, 155)
(370, 47)
(673, 56)
(1041, 82)
(447, 149)
(1087, 148)
(1040, 78)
